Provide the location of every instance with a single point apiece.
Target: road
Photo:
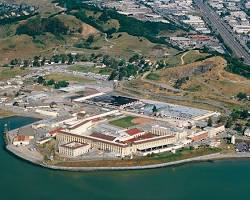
(229, 38)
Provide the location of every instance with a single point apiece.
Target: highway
(219, 26)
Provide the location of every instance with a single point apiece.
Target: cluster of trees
(86, 44)
(236, 120)
(241, 96)
(38, 26)
(236, 66)
(51, 82)
(121, 69)
(38, 61)
(180, 81)
(98, 23)
(240, 114)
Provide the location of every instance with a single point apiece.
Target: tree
(40, 80)
(71, 59)
(62, 83)
(235, 115)
(36, 62)
(222, 119)
(229, 123)
(113, 75)
(56, 86)
(154, 109)
(210, 122)
(50, 82)
(244, 114)
(239, 128)
(25, 63)
(90, 40)
(134, 58)
(43, 61)
(14, 62)
(241, 95)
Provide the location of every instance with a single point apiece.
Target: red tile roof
(102, 136)
(21, 138)
(133, 131)
(142, 137)
(55, 131)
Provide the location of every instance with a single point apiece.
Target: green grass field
(7, 73)
(193, 56)
(153, 77)
(85, 69)
(67, 77)
(123, 122)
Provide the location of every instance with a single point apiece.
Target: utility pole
(5, 132)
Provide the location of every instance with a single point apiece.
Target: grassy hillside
(205, 84)
(47, 34)
(110, 21)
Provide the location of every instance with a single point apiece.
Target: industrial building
(103, 132)
(73, 149)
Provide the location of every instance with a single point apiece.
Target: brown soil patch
(141, 120)
(88, 30)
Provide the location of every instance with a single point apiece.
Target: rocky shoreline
(206, 158)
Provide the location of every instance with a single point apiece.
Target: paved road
(224, 30)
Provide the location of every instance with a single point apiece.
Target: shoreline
(199, 159)
(39, 162)
(21, 113)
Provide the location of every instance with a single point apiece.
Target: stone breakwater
(211, 157)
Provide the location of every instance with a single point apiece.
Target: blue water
(207, 181)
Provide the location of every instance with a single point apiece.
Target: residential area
(182, 13)
(236, 14)
(11, 11)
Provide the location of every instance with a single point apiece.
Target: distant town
(184, 13)
(13, 11)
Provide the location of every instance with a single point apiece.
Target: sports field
(124, 122)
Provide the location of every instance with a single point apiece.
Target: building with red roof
(135, 132)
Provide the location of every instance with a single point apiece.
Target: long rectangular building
(124, 148)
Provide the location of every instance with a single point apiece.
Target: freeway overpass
(240, 50)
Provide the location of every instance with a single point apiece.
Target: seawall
(206, 158)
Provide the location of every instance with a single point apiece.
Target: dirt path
(106, 39)
(182, 60)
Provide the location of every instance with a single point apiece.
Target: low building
(21, 140)
(43, 141)
(73, 149)
(198, 136)
(47, 113)
(242, 29)
(247, 132)
(54, 132)
(215, 130)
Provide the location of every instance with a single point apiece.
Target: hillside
(84, 30)
(205, 84)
